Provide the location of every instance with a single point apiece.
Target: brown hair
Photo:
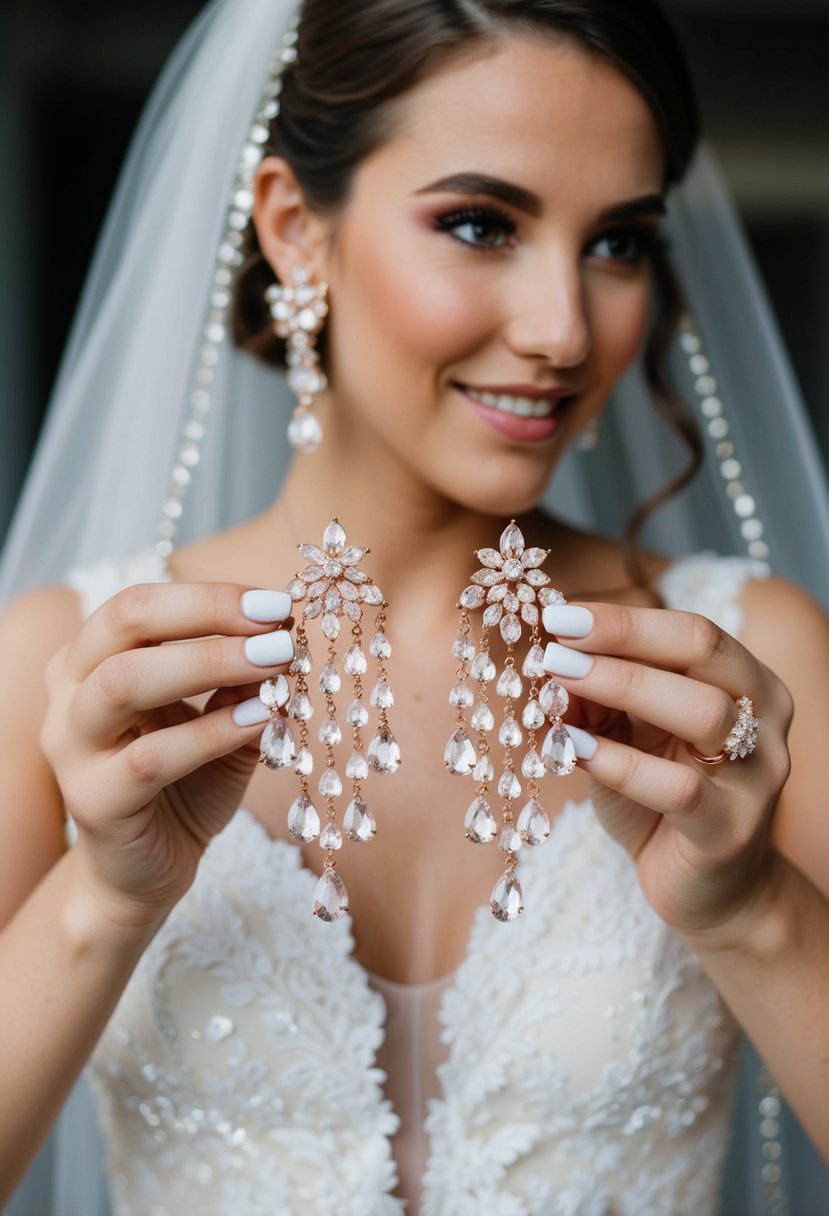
(355, 57)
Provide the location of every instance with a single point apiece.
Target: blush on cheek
(623, 330)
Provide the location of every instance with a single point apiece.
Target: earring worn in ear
(589, 437)
(299, 312)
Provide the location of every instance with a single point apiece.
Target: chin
(503, 487)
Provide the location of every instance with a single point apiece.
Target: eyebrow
(525, 200)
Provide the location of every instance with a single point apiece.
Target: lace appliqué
(237, 1073)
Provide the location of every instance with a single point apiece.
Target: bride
(471, 195)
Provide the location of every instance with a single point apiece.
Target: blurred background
(73, 78)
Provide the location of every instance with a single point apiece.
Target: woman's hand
(700, 835)
(147, 778)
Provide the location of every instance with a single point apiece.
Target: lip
(521, 430)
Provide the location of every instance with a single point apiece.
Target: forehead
(537, 110)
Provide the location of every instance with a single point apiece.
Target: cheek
(421, 311)
(620, 323)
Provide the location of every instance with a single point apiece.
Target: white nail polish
(567, 620)
(562, 661)
(270, 649)
(583, 742)
(250, 712)
(263, 606)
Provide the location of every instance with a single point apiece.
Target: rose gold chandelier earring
(509, 588)
(299, 311)
(332, 587)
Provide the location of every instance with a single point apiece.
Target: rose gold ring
(742, 738)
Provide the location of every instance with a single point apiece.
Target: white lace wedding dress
(578, 1063)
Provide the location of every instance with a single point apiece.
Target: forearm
(773, 973)
(63, 967)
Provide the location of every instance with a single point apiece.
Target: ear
(290, 234)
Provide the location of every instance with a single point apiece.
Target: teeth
(522, 407)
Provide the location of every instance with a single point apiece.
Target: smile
(522, 407)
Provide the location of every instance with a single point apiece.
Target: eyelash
(648, 240)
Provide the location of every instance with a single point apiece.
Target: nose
(549, 315)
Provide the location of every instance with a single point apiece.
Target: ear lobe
(281, 217)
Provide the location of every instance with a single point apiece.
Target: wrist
(763, 927)
(95, 920)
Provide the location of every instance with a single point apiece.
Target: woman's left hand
(699, 834)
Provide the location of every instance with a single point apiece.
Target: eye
(478, 227)
(629, 246)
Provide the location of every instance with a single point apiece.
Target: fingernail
(567, 620)
(270, 649)
(248, 713)
(584, 743)
(562, 661)
(263, 606)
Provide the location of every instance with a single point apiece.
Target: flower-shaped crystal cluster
(510, 586)
(333, 583)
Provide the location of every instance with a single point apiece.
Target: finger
(126, 685)
(698, 713)
(685, 796)
(684, 642)
(158, 759)
(148, 613)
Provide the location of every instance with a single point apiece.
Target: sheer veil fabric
(114, 428)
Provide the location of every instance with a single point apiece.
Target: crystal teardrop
(358, 822)
(331, 626)
(331, 837)
(303, 820)
(462, 648)
(330, 896)
(357, 768)
(533, 715)
(357, 714)
(506, 901)
(510, 628)
(483, 772)
(461, 695)
(380, 647)
(509, 683)
(355, 662)
(509, 841)
(304, 763)
(533, 667)
(333, 539)
(330, 732)
(382, 696)
(510, 733)
(331, 785)
(532, 766)
(460, 756)
(302, 662)
(558, 752)
(300, 707)
(383, 752)
(479, 823)
(277, 748)
(472, 597)
(304, 433)
(509, 786)
(512, 541)
(330, 679)
(482, 668)
(274, 693)
(483, 717)
(554, 699)
(533, 823)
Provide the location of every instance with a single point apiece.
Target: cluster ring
(742, 738)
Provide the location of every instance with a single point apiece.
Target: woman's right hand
(147, 778)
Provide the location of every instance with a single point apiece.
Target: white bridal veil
(156, 418)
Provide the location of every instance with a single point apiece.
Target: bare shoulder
(32, 629)
(787, 629)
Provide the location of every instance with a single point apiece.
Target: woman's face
(462, 309)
